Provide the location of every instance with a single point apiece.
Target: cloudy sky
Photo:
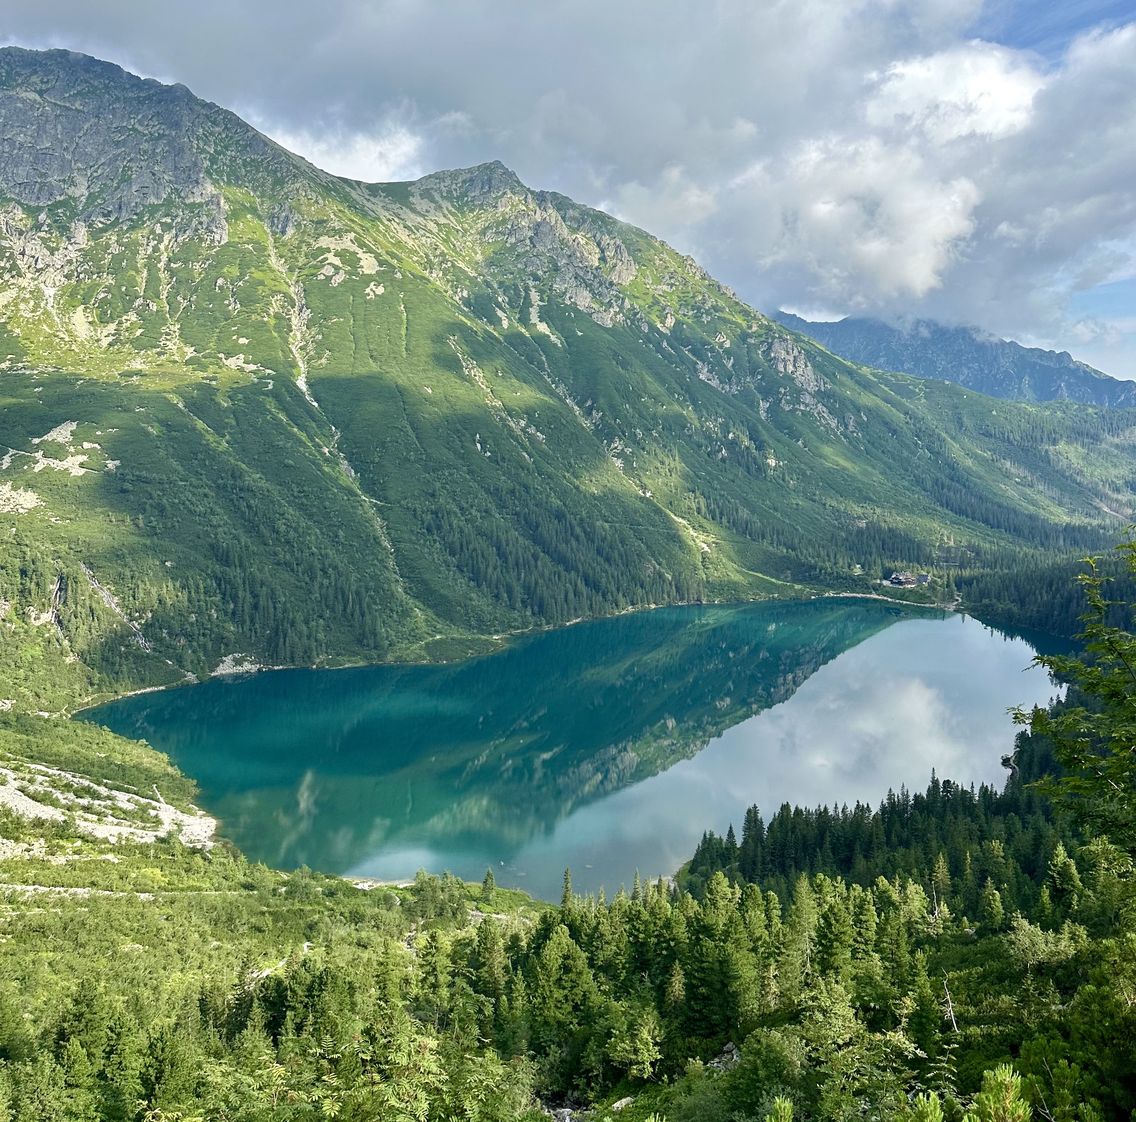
(973, 162)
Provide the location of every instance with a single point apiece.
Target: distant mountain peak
(967, 356)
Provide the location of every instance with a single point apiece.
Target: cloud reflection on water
(922, 695)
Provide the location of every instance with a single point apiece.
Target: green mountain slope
(248, 408)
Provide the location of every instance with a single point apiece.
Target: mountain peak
(69, 74)
(480, 183)
(102, 144)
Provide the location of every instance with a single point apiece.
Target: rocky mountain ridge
(968, 357)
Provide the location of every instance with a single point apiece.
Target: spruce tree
(991, 912)
(1093, 741)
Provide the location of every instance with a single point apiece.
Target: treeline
(951, 839)
(1045, 596)
(534, 557)
(862, 549)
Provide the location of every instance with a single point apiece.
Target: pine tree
(753, 837)
(865, 923)
(991, 912)
(941, 881)
(1094, 744)
(925, 1107)
(834, 939)
(1001, 1098)
(491, 967)
(676, 988)
(1065, 879)
(926, 1018)
(433, 976)
(782, 1110)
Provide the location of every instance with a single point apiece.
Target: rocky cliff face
(982, 362)
(91, 142)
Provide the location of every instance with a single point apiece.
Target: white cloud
(978, 89)
(674, 201)
(383, 156)
(860, 215)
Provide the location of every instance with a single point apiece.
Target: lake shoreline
(498, 643)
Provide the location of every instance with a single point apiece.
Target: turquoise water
(609, 746)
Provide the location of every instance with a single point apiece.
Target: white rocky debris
(534, 317)
(73, 465)
(236, 663)
(729, 1058)
(17, 500)
(240, 362)
(368, 263)
(99, 811)
(61, 434)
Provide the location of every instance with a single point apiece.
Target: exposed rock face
(583, 264)
(80, 131)
(485, 183)
(621, 265)
(54, 148)
(786, 357)
(969, 357)
(730, 1058)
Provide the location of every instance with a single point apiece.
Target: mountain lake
(608, 746)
